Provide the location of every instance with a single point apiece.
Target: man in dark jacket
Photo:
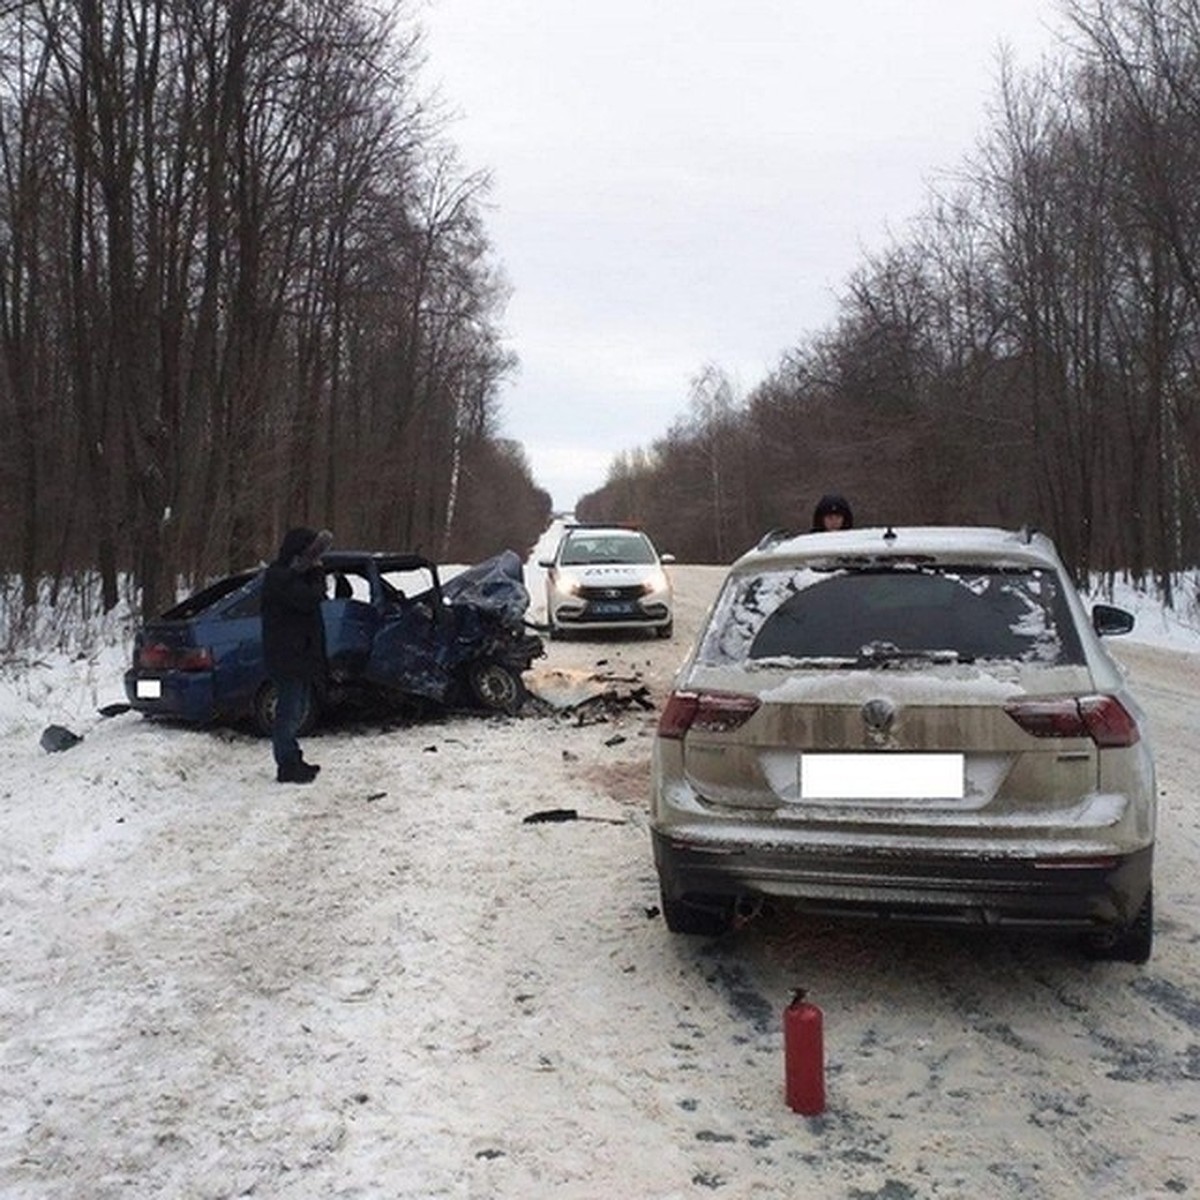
(832, 512)
(294, 642)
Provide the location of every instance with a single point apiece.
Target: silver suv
(917, 724)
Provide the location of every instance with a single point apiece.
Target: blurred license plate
(611, 608)
(882, 776)
(149, 689)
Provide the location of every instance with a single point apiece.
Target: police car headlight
(655, 584)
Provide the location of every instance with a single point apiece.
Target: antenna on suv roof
(1027, 532)
(889, 534)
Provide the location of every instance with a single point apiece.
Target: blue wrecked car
(395, 634)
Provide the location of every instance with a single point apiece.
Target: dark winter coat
(832, 504)
(294, 586)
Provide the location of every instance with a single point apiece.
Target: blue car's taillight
(157, 657)
(154, 657)
(195, 658)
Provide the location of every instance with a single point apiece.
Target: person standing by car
(832, 512)
(294, 642)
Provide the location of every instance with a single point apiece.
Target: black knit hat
(828, 504)
(303, 547)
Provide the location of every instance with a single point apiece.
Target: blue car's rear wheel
(264, 710)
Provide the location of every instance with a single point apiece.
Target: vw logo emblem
(878, 715)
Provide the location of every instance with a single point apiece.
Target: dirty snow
(389, 984)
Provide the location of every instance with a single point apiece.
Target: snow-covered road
(388, 985)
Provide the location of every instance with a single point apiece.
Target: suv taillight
(1102, 718)
(712, 712)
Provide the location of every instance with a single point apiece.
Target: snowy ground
(387, 985)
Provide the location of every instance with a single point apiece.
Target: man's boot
(296, 770)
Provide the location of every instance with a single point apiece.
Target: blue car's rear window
(204, 599)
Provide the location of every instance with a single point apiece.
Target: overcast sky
(683, 182)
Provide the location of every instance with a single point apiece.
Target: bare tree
(243, 282)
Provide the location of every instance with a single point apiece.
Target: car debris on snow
(555, 815)
(592, 696)
(56, 738)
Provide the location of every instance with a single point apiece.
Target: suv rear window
(881, 616)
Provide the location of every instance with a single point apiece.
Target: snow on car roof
(975, 543)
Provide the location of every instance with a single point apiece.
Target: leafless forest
(1028, 352)
(243, 282)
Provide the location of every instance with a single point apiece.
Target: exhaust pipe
(745, 909)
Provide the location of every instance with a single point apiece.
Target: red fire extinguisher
(804, 1056)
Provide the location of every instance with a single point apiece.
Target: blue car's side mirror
(1109, 621)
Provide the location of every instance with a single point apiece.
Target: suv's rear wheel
(703, 916)
(1132, 944)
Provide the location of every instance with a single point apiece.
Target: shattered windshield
(877, 617)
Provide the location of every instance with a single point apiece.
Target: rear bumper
(181, 695)
(923, 888)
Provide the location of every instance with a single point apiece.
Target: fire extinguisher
(804, 1056)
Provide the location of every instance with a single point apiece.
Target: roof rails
(772, 538)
